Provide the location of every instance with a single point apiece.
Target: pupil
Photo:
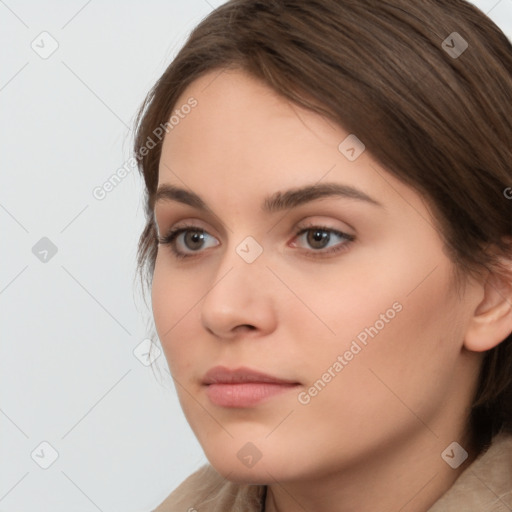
(319, 238)
(195, 238)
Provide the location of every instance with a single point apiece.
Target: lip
(223, 375)
(243, 387)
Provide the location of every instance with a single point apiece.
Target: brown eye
(318, 238)
(193, 240)
(187, 240)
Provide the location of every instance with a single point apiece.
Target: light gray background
(70, 325)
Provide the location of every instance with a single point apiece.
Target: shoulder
(486, 484)
(208, 491)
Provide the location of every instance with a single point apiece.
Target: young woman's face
(304, 260)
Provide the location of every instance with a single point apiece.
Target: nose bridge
(240, 272)
(243, 257)
(239, 293)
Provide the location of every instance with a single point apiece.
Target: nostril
(248, 326)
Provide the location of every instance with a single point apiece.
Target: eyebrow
(278, 201)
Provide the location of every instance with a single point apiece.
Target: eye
(185, 241)
(323, 240)
(189, 241)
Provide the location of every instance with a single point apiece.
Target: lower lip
(245, 394)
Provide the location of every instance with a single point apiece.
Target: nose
(240, 299)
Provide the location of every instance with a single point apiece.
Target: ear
(491, 322)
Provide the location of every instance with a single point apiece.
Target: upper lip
(223, 375)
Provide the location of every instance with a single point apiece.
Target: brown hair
(438, 121)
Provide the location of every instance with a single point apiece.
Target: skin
(372, 438)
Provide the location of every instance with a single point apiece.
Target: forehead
(233, 89)
(233, 105)
(242, 142)
(241, 127)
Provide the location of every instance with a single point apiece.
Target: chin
(237, 466)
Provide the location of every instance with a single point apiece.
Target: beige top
(485, 486)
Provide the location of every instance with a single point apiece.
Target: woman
(329, 245)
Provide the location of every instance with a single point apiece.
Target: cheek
(396, 315)
(411, 360)
(332, 305)
(175, 310)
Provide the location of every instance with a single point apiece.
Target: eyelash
(170, 238)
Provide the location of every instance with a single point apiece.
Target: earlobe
(492, 319)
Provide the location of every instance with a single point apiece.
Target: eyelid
(327, 225)
(176, 215)
(169, 224)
